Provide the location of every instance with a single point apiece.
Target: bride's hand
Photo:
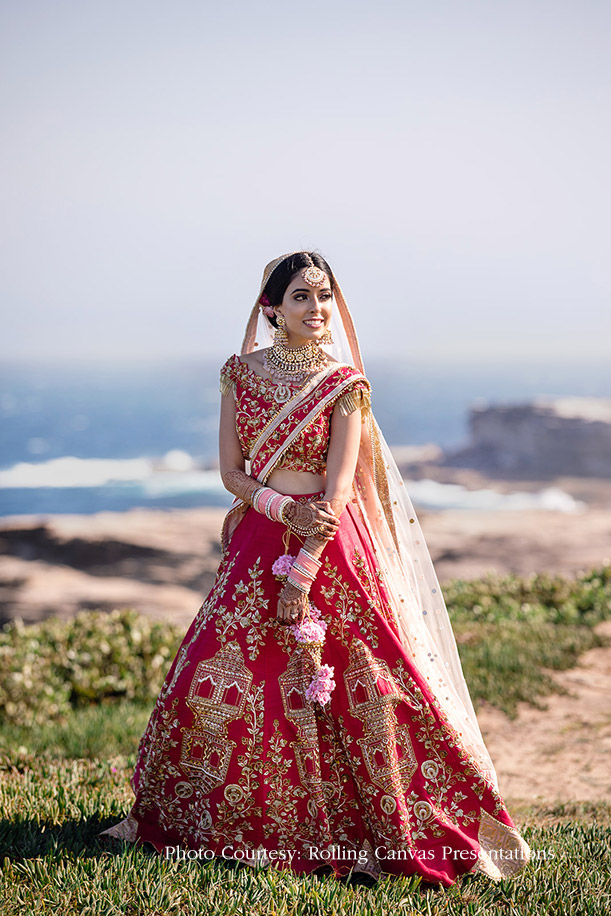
(292, 604)
(313, 515)
(334, 508)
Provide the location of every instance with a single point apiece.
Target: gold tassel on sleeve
(352, 400)
(227, 384)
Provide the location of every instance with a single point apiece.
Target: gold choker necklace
(289, 363)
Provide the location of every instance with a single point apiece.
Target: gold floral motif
(338, 805)
(283, 794)
(424, 817)
(245, 611)
(157, 770)
(437, 740)
(388, 804)
(239, 806)
(233, 793)
(350, 605)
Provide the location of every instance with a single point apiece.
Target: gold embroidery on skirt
(387, 748)
(217, 695)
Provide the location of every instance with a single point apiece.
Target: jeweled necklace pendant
(282, 394)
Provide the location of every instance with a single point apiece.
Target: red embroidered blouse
(255, 407)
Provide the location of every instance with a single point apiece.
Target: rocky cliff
(547, 436)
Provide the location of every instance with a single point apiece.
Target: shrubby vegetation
(49, 668)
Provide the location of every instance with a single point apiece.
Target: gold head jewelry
(314, 276)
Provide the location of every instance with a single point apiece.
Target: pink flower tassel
(282, 566)
(322, 684)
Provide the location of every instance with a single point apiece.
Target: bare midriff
(295, 483)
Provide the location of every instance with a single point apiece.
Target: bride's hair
(282, 275)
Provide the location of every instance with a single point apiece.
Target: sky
(449, 159)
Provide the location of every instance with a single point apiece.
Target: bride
(316, 715)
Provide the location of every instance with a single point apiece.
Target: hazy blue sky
(451, 160)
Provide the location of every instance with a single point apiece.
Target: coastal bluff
(546, 436)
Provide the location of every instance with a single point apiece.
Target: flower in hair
(266, 307)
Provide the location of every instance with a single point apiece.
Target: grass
(66, 777)
(51, 861)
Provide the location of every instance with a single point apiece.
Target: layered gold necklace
(292, 365)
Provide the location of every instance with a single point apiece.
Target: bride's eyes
(298, 297)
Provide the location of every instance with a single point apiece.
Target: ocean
(87, 437)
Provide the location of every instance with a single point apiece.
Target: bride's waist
(292, 482)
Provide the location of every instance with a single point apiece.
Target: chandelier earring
(326, 340)
(280, 335)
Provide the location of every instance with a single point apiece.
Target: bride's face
(306, 309)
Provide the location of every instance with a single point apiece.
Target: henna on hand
(300, 513)
(333, 506)
(240, 484)
(292, 604)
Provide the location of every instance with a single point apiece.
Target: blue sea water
(86, 437)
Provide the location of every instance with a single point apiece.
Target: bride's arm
(231, 460)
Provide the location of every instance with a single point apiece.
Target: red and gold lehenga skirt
(235, 762)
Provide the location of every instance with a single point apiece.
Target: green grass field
(64, 775)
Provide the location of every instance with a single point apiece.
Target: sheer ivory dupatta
(401, 550)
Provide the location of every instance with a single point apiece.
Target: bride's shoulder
(254, 360)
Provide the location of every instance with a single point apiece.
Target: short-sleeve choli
(256, 406)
